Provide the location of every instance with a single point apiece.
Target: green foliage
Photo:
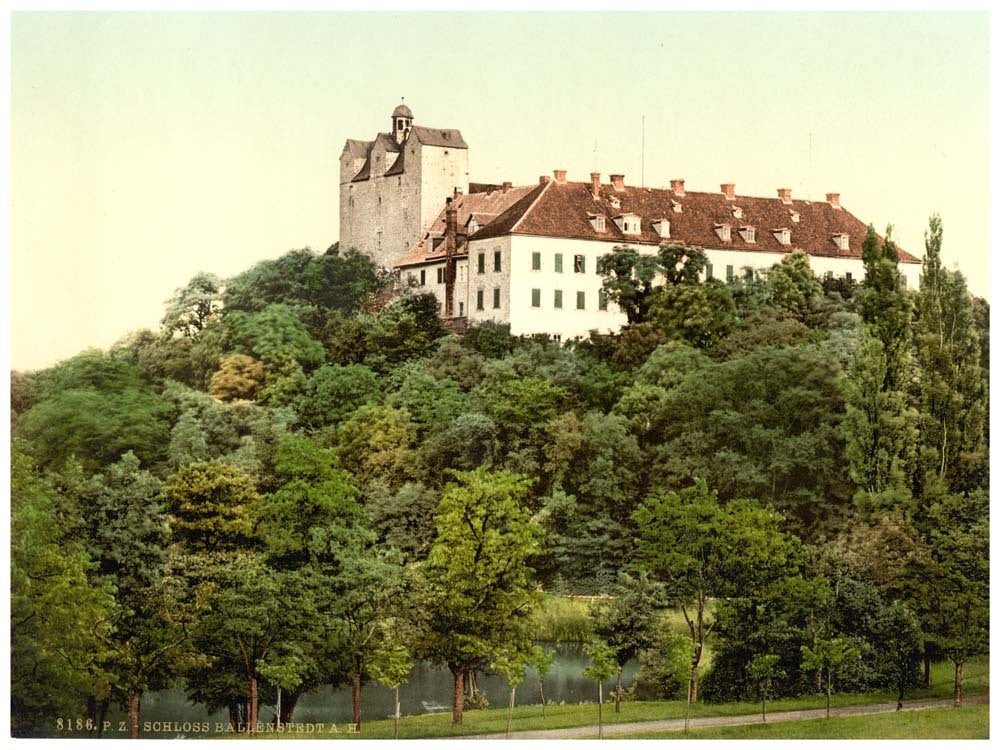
(333, 392)
(276, 335)
(213, 507)
(628, 280)
(602, 662)
(94, 408)
(794, 287)
(193, 306)
(628, 621)
(699, 314)
(58, 618)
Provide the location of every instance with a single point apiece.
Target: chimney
(595, 185)
(833, 199)
(450, 226)
(450, 246)
(678, 187)
(618, 180)
(458, 192)
(560, 175)
(785, 194)
(506, 186)
(729, 190)
(542, 179)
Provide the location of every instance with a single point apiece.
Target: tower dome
(402, 118)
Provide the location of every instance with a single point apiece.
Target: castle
(527, 256)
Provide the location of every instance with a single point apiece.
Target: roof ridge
(534, 203)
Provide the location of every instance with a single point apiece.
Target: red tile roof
(557, 209)
(486, 207)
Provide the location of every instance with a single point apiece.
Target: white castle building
(527, 256)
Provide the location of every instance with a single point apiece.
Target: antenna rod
(642, 179)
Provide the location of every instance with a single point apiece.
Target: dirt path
(720, 721)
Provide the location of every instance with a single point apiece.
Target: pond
(433, 685)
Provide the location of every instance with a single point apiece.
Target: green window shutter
(496, 299)
(536, 261)
(482, 262)
(536, 297)
(479, 299)
(559, 263)
(581, 299)
(602, 300)
(557, 302)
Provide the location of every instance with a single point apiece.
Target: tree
(952, 387)
(58, 619)
(698, 314)
(213, 507)
(128, 537)
(627, 622)
(794, 287)
(333, 392)
(238, 377)
(475, 590)
(629, 280)
(702, 550)
(602, 666)
(764, 672)
(510, 665)
(901, 648)
(541, 661)
(276, 335)
(193, 306)
(391, 666)
(831, 656)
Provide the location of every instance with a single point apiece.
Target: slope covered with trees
(300, 481)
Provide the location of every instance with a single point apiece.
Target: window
(482, 262)
(579, 264)
(662, 228)
(496, 260)
(558, 263)
(902, 281)
(536, 261)
(557, 337)
(784, 236)
(842, 241)
(748, 274)
(677, 207)
(440, 276)
(737, 212)
(461, 272)
(479, 299)
(597, 222)
(749, 234)
(536, 297)
(557, 299)
(423, 276)
(723, 232)
(829, 275)
(581, 299)
(496, 298)
(849, 277)
(461, 309)
(708, 272)
(729, 273)
(602, 300)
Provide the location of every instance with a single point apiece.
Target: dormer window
(615, 203)
(629, 223)
(842, 241)
(597, 222)
(794, 215)
(749, 234)
(784, 236)
(737, 212)
(676, 206)
(662, 228)
(724, 232)
(473, 225)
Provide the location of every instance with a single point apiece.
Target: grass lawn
(968, 722)
(530, 717)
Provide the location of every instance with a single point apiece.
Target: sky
(147, 147)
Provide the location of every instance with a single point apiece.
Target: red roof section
(486, 207)
(562, 209)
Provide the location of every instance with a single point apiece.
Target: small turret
(402, 119)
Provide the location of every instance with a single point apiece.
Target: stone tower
(393, 187)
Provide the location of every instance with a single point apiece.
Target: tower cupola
(402, 119)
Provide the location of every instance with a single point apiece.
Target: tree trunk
(252, 709)
(102, 712)
(618, 692)
(510, 712)
(288, 705)
(541, 691)
(395, 727)
(134, 700)
(234, 717)
(694, 682)
(600, 710)
(829, 689)
(763, 716)
(459, 697)
(927, 669)
(277, 712)
(356, 701)
(959, 664)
